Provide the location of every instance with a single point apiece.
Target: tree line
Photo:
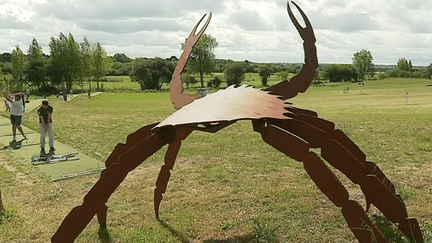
(69, 63)
(72, 63)
(363, 68)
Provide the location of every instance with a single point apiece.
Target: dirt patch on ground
(19, 176)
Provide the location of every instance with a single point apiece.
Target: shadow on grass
(234, 239)
(173, 231)
(104, 235)
(17, 145)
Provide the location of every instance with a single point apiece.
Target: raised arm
(178, 97)
(7, 96)
(288, 89)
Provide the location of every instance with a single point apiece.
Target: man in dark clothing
(46, 125)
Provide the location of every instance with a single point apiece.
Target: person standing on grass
(46, 126)
(28, 94)
(16, 112)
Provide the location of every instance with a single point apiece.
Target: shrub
(381, 76)
(234, 73)
(341, 72)
(265, 74)
(189, 80)
(215, 83)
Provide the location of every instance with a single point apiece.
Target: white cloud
(256, 30)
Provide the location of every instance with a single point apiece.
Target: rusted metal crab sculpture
(291, 130)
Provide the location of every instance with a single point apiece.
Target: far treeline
(68, 64)
(71, 64)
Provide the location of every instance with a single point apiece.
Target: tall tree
(362, 61)
(86, 55)
(18, 67)
(265, 74)
(403, 64)
(35, 71)
(429, 71)
(202, 59)
(73, 63)
(100, 62)
(65, 59)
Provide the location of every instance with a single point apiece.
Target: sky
(254, 30)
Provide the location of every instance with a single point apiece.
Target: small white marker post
(361, 87)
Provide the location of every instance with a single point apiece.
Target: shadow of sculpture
(104, 235)
(173, 231)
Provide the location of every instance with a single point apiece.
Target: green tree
(86, 50)
(215, 83)
(151, 74)
(340, 72)
(403, 65)
(202, 59)
(65, 63)
(121, 57)
(234, 73)
(362, 62)
(283, 75)
(189, 80)
(265, 73)
(6, 57)
(101, 64)
(429, 71)
(18, 68)
(293, 68)
(35, 69)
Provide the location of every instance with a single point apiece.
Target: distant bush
(340, 72)
(381, 76)
(215, 83)
(189, 80)
(265, 73)
(234, 73)
(407, 74)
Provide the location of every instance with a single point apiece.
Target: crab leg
(165, 174)
(344, 155)
(116, 172)
(298, 149)
(178, 97)
(299, 83)
(131, 140)
(376, 192)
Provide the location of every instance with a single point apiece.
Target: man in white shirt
(16, 112)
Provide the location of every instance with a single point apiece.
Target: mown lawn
(229, 186)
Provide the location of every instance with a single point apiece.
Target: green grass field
(229, 186)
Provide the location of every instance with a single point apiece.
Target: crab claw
(197, 36)
(178, 98)
(288, 89)
(307, 33)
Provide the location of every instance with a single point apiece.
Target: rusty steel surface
(230, 104)
(292, 131)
